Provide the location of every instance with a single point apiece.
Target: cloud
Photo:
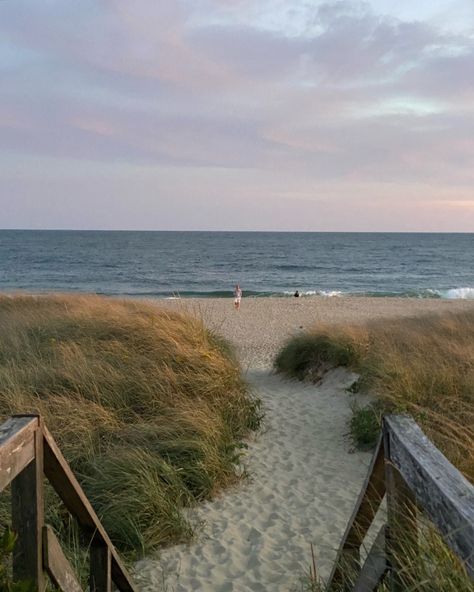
(332, 92)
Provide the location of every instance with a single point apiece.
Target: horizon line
(237, 231)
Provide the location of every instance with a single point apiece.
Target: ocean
(209, 264)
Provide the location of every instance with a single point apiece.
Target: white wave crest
(316, 293)
(454, 293)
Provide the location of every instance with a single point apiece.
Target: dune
(304, 474)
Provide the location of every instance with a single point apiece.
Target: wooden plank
(17, 447)
(66, 485)
(28, 520)
(375, 566)
(368, 502)
(58, 567)
(441, 490)
(100, 569)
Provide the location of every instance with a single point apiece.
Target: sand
(304, 476)
(262, 324)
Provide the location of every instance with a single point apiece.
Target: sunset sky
(237, 114)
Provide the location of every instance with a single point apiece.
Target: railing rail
(406, 468)
(413, 474)
(28, 453)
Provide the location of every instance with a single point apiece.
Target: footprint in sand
(302, 490)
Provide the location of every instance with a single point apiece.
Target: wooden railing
(413, 475)
(28, 453)
(406, 468)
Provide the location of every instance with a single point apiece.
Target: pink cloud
(169, 84)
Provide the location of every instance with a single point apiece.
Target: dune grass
(147, 405)
(306, 355)
(423, 366)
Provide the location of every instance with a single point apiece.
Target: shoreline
(227, 295)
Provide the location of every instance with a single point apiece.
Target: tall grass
(147, 405)
(423, 366)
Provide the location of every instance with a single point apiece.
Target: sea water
(207, 264)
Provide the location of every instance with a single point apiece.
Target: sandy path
(303, 486)
(304, 480)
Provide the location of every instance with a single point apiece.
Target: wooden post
(28, 519)
(100, 568)
(402, 532)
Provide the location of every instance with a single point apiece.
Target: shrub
(313, 352)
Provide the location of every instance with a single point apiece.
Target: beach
(304, 474)
(261, 325)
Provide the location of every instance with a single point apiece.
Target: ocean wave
(448, 294)
(328, 293)
(456, 293)
(331, 293)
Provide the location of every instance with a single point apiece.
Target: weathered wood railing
(28, 453)
(413, 475)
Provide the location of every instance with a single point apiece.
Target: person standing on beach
(237, 296)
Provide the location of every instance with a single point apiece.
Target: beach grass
(427, 566)
(423, 366)
(147, 405)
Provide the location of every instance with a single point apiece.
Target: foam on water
(454, 293)
(313, 293)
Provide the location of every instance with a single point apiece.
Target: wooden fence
(406, 468)
(28, 453)
(414, 476)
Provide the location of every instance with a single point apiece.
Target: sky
(237, 115)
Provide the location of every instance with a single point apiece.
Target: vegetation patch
(423, 366)
(147, 405)
(365, 425)
(309, 355)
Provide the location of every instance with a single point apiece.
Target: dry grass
(147, 405)
(423, 366)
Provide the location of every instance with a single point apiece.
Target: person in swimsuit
(237, 297)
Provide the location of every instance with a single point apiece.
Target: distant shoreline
(457, 294)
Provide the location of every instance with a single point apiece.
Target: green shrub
(365, 425)
(310, 353)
